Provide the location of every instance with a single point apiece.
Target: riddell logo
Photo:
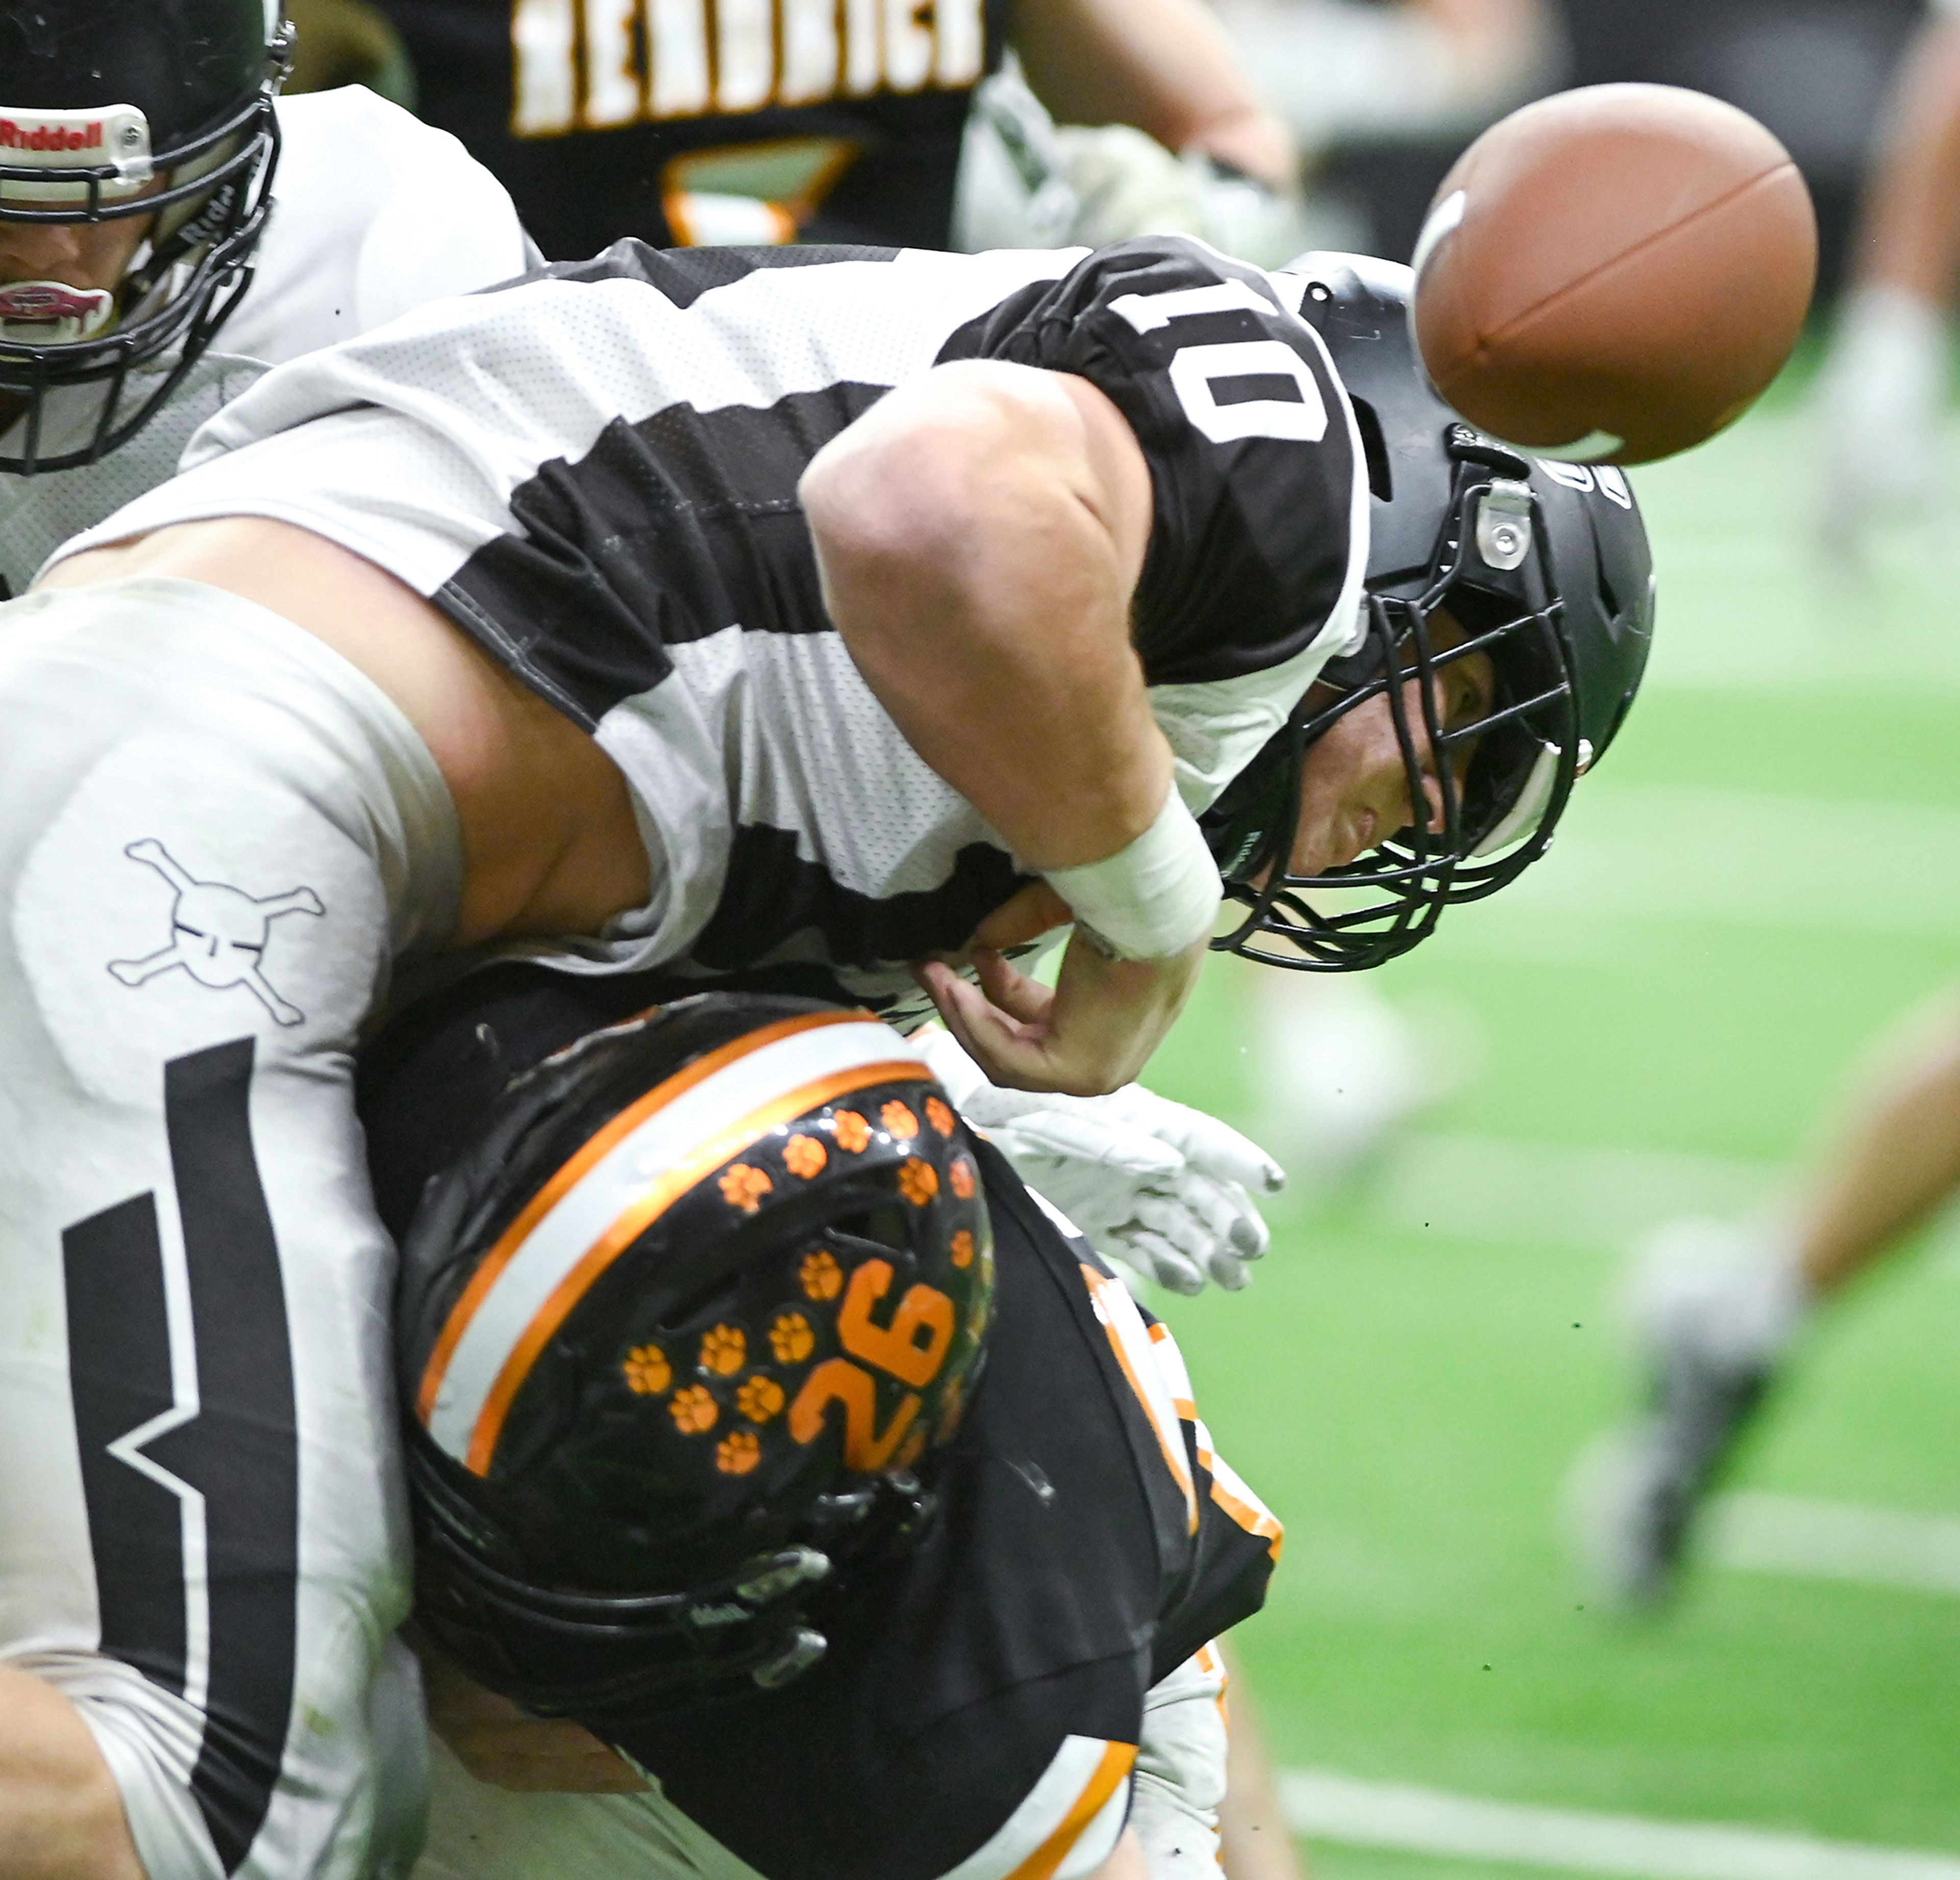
(14, 136)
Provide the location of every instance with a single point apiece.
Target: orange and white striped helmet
(681, 1332)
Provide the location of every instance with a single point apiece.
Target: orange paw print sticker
(851, 1131)
(738, 1453)
(694, 1411)
(805, 1156)
(961, 1248)
(743, 1187)
(791, 1339)
(939, 1115)
(821, 1276)
(962, 1179)
(647, 1371)
(760, 1399)
(898, 1120)
(723, 1350)
(918, 1181)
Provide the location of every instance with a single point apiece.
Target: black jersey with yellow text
(985, 1691)
(687, 121)
(594, 473)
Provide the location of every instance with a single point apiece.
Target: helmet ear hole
(1375, 450)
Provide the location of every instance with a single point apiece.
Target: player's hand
(1882, 394)
(1091, 1034)
(509, 1748)
(1161, 1186)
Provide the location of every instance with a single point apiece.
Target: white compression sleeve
(1154, 897)
(215, 836)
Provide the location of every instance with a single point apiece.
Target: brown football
(1615, 273)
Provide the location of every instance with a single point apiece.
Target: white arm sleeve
(1180, 1774)
(215, 837)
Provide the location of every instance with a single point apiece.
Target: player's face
(82, 255)
(1354, 787)
(77, 254)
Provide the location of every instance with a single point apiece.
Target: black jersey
(685, 121)
(988, 1689)
(594, 473)
(1081, 1557)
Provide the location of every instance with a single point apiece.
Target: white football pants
(215, 838)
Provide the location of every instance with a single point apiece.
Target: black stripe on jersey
(665, 531)
(771, 894)
(118, 1368)
(684, 274)
(243, 1450)
(239, 1452)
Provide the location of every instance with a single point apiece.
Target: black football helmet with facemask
(1541, 566)
(111, 109)
(683, 1329)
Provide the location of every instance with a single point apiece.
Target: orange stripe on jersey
(1254, 1521)
(1244, 1507)
(593, 1151)
(1160, 1335)
(657, 1199)
(1111, 1773)
(1117, 1310)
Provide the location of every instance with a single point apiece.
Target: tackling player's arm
(61, 1812)
(1165, 66)
(980, 533)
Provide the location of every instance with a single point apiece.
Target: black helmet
(679, 1338)
(1544, 566)
(99, 100)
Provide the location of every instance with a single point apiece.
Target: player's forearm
(1911, 231)
(1898, 1161)
(979, 570)
(1165, 66)
(61, 1813)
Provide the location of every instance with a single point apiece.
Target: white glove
(1160, 1186)
(1882, 392)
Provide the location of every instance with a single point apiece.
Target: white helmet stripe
(460, 1401)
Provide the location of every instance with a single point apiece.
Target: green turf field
(1765, 869)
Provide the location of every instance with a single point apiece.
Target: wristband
(1152, 899)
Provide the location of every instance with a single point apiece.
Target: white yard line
(1759, 860)
(1326, 1806)
(1498, 1189)
(1511, 1191)
(1798, 1538)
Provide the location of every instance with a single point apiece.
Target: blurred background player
(1720, 1305)
(1341, 70)
(348, 43)
(1884, 389)
(282, 225)
(784, 120)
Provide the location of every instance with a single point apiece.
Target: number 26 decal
(895, 1349)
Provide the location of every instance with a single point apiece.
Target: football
(1615, 273)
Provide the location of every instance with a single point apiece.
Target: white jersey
(203, 1544)
(372, 213)
(594, 474)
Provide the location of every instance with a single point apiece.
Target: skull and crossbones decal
(217, 933)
